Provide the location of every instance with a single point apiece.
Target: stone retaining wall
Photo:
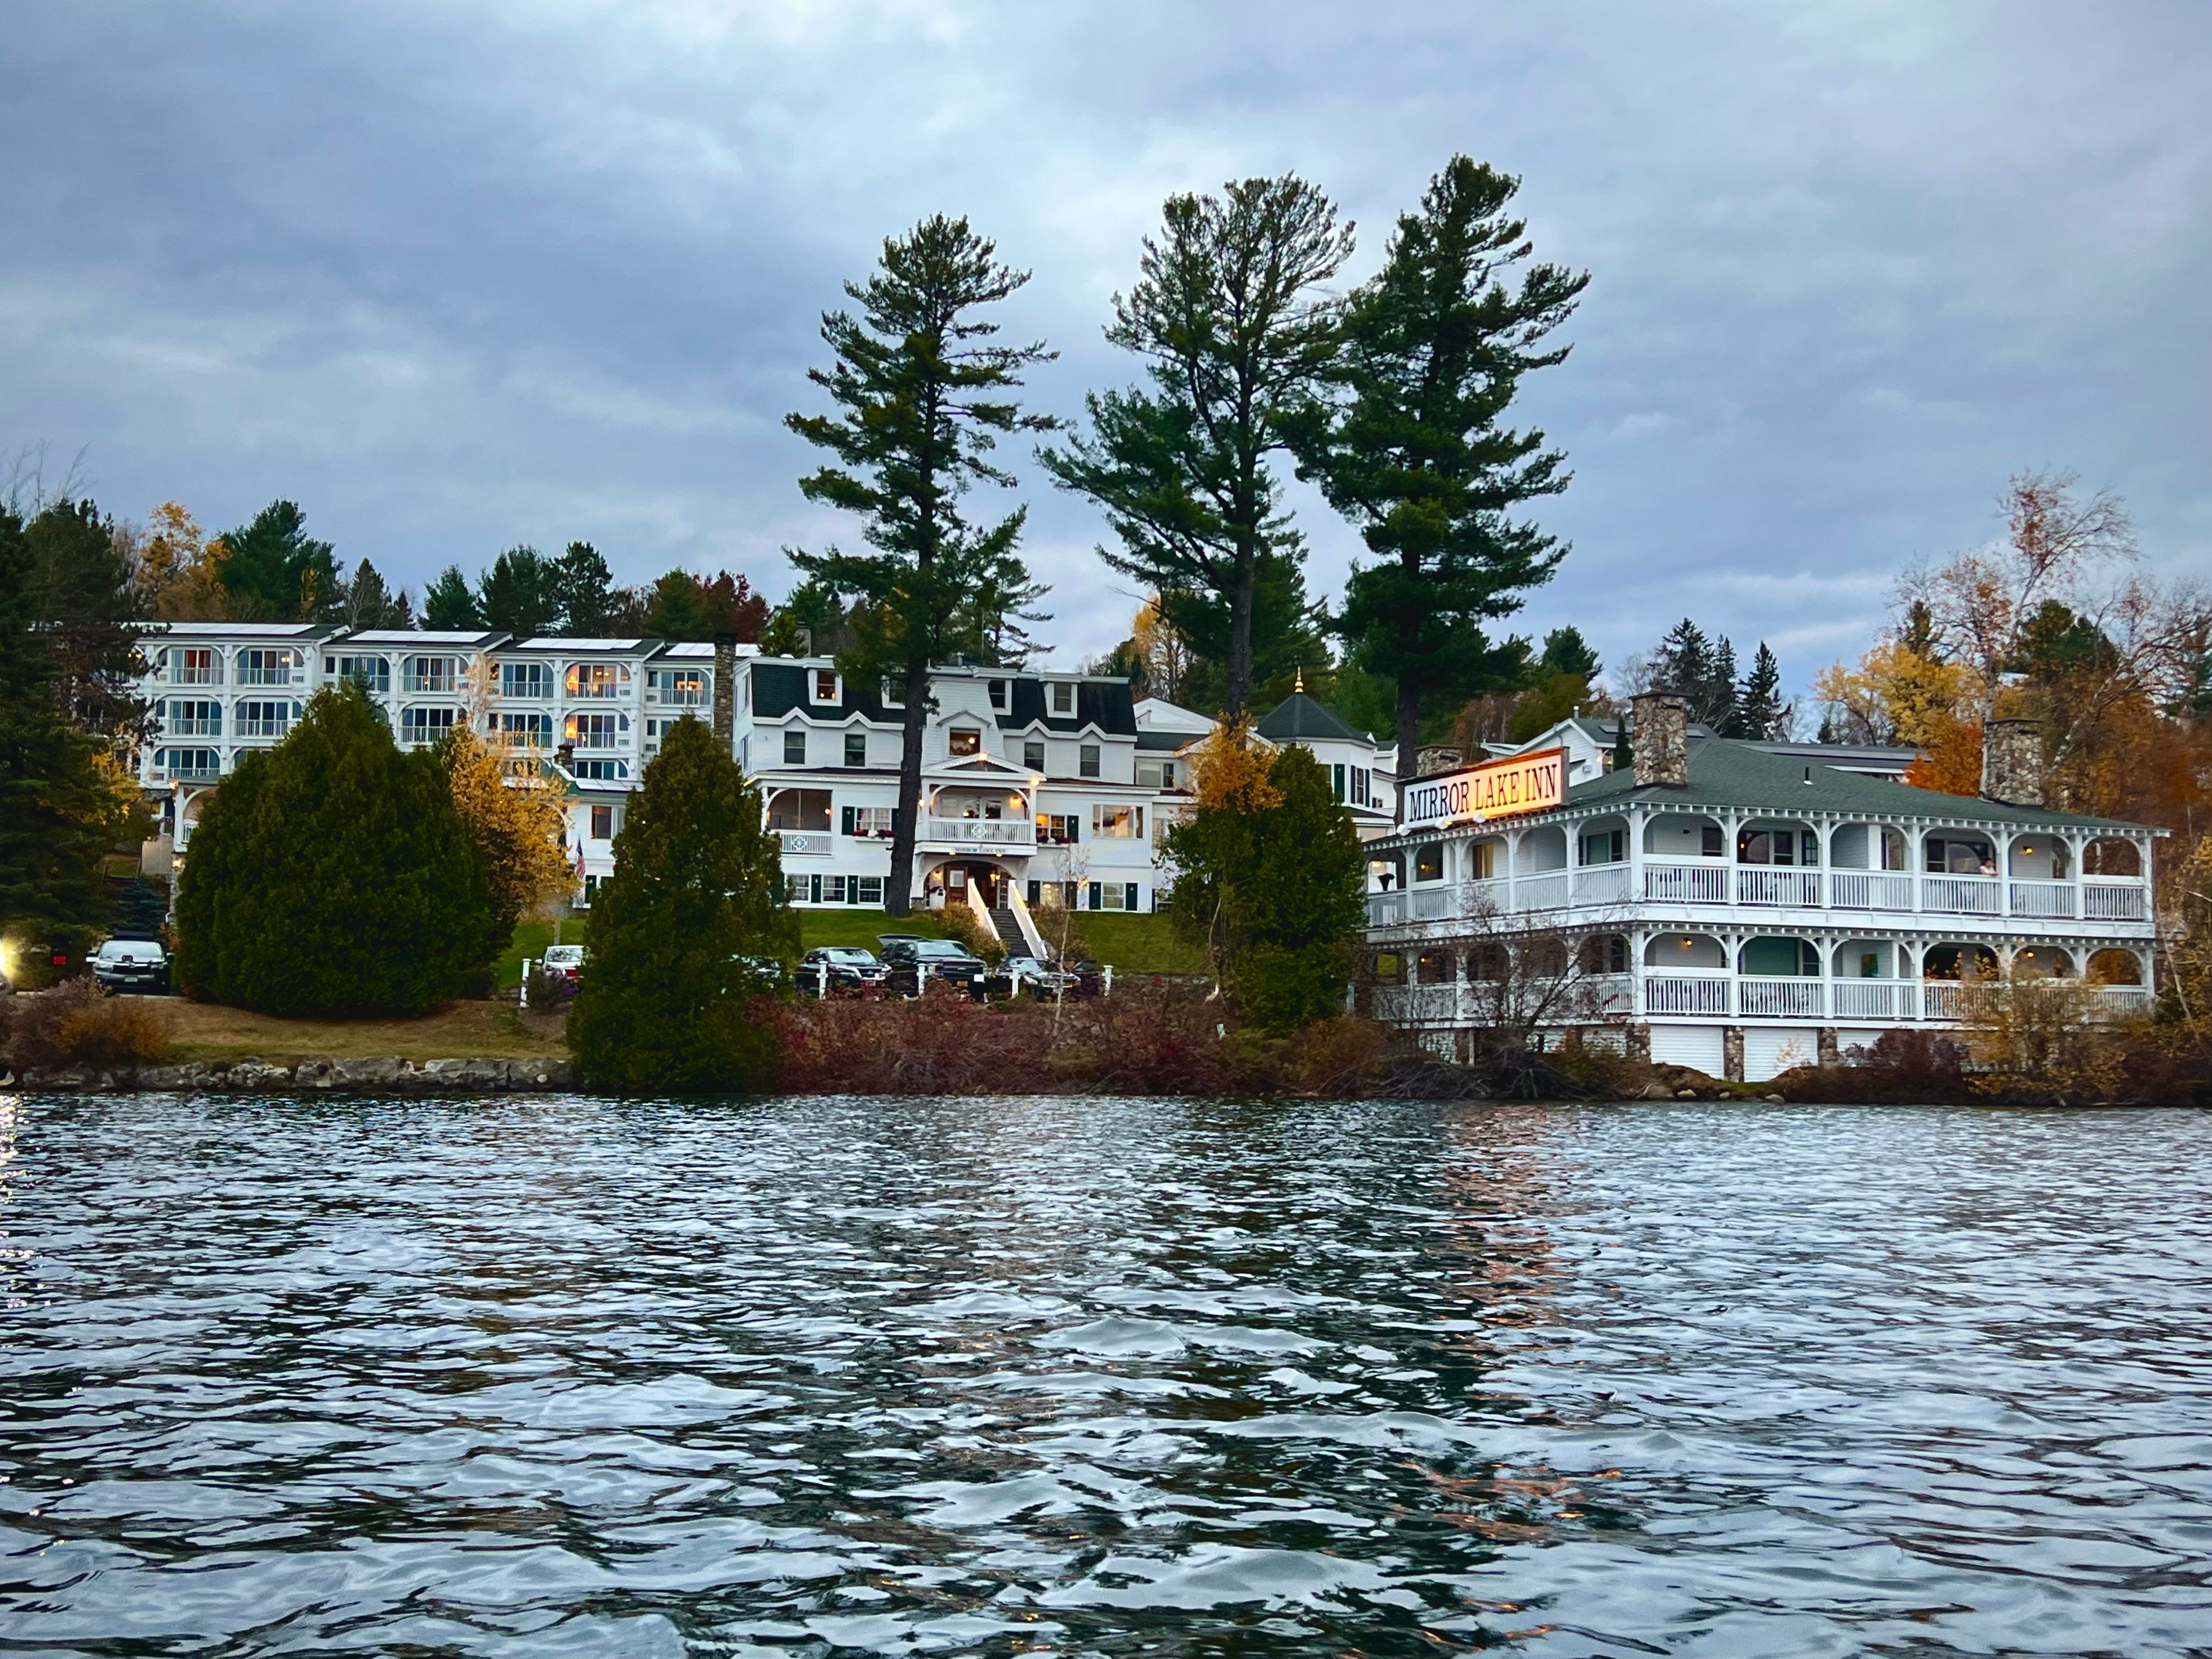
(382, 1076)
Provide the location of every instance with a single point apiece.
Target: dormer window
(1002, 696)
(894, 694)
(824, 682)
(965, 742)
(1063, 697)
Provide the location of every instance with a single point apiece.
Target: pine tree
(274, 571)
(140, 910)
(332, 875)
(920, 404)
(84, 595)
(1699, 669)
(1272, 875)
(686, 933)
(1418, 458)
(449, 603)
(367, 602)
(1567, 651)
(520, 593)
(585, 588)
(1760, 713)
(1236, 332)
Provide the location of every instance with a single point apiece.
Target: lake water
(574, 1378)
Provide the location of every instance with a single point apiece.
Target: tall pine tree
(1236, 332)
(1760, 712)
(1435, 348)
(520, 593)
(449, 603)
(921, 399)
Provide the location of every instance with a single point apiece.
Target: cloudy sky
(458, 275)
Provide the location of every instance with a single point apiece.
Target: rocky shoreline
(384, 1075)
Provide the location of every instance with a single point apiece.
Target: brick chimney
(2012, 762)
(1660, 735)
(726, 690)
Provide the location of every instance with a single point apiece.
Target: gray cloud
(455, 279)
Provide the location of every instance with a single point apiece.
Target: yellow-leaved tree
(512, 807)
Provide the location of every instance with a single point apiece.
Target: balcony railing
(1782, 998)
(1686, 884)
(1797, 889)
(2111, 902)
(805, 844)
(2053, 899)
(980, 832)
(1962, 896)
(1865, 890)
(1601, 884)
(1677, 993)
(1875, 999)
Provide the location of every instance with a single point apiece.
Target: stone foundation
(381, 1076)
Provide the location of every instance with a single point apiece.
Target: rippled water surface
(568, 1376)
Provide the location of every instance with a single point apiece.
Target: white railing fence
(1785, 998)
(1800, 888)
(1686, 884)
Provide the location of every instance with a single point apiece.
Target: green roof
(1299, 716)
(1724, 773)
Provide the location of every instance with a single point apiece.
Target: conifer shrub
(688, 935)
(1272, 875)
(332, 876)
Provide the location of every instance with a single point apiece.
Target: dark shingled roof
(1729, 773)
(1168, 742)
(1104, 703)
(780, 687)
(1299, 716)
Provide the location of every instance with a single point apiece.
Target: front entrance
(958, 877)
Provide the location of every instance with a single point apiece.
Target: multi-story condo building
(1736, 907)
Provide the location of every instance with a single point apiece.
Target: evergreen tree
(367, 602)
(1271, 873)
(1760, 713)
(520, 593)
(1434, 350)
(63, 801)
(449, 603)
(922, 401)
(1286, 636)
(683, 933)
(83, 594)
(585, 588)
(273, 571)
(1236, 333)
(140, 910)
(1699, 669)
(682, 606)
(332, 875)
(1567, 651)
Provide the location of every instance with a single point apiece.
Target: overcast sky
(457, 277)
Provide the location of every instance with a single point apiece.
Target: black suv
(911, 959)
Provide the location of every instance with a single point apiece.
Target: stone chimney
(1661, 734)
(726, 690)
(2012, 762)
(1433, 757)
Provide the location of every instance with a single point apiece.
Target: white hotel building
(1740, 908)
(1039, 789)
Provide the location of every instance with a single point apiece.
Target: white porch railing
(805, 844)
(1438, 903)
(1686, 884)
(1386, 909)
(1786, 999)
(1799, 889)
(1677, 994)
(1601, 884)
(1544, 892)
(2124, 998)
(2114, 901)
(980, 832)
(1962, 896)
(1875, 999)
(2050, 899)
(1867, 889)
(1486, 895)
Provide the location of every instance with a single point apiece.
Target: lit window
(825, 685)
(965, 742)
(193, 666)
(1117, 823)
(594, 731)
(264, 667)
(597, 680)
(684, 688)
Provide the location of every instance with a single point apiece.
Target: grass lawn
(859, 926)
(531, 939)
(1133, 944)
(466, 1030)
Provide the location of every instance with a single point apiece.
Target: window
(604, 771)
(434, 675)
(372, 674)
(1057, 829)
(1362, 784)
(193, 666)
(595, 731)
(195, 719)
(1063, 697)
(189, 763)
(1338, 781)
(679, 688)
(1892, 849)
(868, 823)
(799, 809)
(1482, 860)
(794, 748)
(1117, 823)
(965, 742)
(1429, 862)
(1002, 696)
(1033, 754)
(894, 694)
(824, 685)
(1604, 953)
(424, 725)
(603, 823)
(1086, 761)
(1766, 847)
(1960, 858)
(1156, 774)
(591, 893)
(264, 667)
(597, 680)
(266, 720)
(856, 749)
(868, 890)
(1709, 841)
(524, 679)
(1113, 894)
(1605, 847)
(531, 730)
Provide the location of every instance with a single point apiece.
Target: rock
(1775, 1100)
(379, 1073)
(254, 1072)
(313, 1074)
(443, 1074)
(1686, 1094)
(1657, 1091)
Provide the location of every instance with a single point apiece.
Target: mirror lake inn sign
(1497, 789)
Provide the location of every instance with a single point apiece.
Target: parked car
(911, 959)
(563, 962)
(130, 964)
(1033, 978)
(846, 969)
